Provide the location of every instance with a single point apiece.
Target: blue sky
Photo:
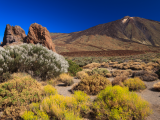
(66, 16)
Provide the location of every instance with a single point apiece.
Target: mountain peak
(126, 17)
(124, 20)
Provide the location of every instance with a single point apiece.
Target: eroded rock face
(13, 34)
(39, 34)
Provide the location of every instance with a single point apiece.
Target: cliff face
(13, 34)
(39, 34)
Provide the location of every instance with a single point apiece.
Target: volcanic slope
(128, 33)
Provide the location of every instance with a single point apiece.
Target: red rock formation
(39, 34)
(13, 34)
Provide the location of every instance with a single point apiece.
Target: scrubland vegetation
(23, 69)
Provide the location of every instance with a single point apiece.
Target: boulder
(38, 34)
(13, 34)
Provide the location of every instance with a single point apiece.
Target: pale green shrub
(43, 62)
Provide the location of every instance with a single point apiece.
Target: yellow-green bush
(66, 78)
(49, 90)
(92, 84)
(81, 74)
(29, 115)
(17, 93)
(60, 107)
(135, 84)
(117, 103)
(83, 100)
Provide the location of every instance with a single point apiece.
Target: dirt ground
(105, 53)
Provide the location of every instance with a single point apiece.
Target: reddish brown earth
(105, 53)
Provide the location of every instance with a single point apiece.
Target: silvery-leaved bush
(36, 58)
(5, 58)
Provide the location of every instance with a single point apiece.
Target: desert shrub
(135, 84)
(5, 77)
(5, 58)
(60, 107)
(29, 57)
(104, 65)
(82, 61)
(146, 76)
(66, 79)
(85, 70)
(29, 115)
(136, 67)
(158, 72)
(92, 65)
(117, 103)
(100, 71)
(16, 94)
(81, 74)
(52, 82)
(73, 68)
(84, 102)
(108, 75)
(118, 80)
(156, 86)
(122, 72)
(49, 90)
(92, 84)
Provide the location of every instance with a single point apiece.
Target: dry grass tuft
(135, 84)
(104, 65)
(118, 80)
(92, 84)
(66, 79)
(156, 86)
(145, 75)
(92, 65)
(122, 72)
(81, 74)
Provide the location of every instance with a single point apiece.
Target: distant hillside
(128, 33)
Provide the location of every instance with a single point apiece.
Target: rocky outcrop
(13, 34)
(39, 34)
